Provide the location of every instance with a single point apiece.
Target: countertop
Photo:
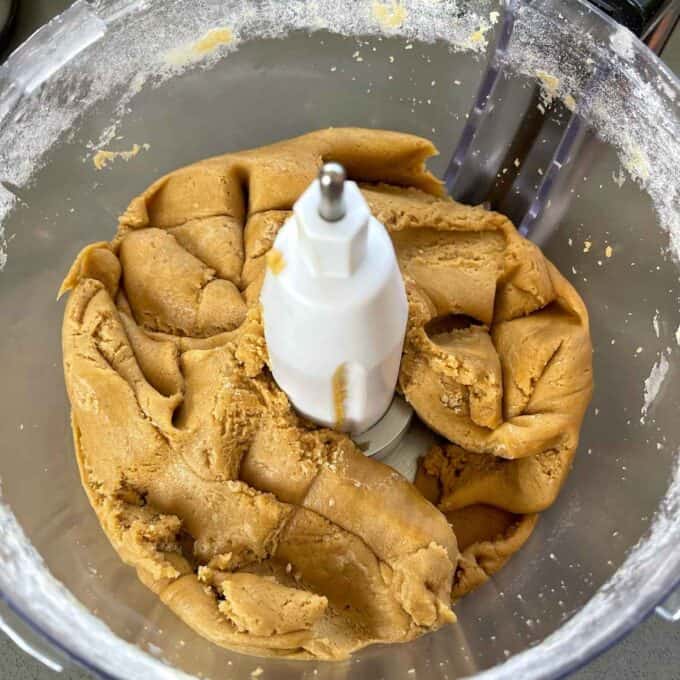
(652, 650)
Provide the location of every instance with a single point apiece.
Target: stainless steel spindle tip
(332, 181)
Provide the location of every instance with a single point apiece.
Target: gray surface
(651, 651)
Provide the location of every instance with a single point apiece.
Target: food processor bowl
(173, 82)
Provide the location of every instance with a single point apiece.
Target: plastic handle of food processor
(660, 29)
(26, 639)
(669, 609)
(642, 17)
(514, 119)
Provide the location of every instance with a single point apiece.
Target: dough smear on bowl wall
(265, 533)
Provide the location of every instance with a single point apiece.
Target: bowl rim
(554, 657)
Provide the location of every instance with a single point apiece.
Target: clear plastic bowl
(115, 72)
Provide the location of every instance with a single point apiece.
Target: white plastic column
(334, 307)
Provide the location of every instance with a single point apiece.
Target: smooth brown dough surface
(266, 534)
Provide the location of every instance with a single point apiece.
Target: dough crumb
(636, 162)
(477, 40)
(587, 245)
(570, 102)
(275, 261)
(213, 39)
(103, 157)
(608, 251)
(208, 44)
(389, 15)
(549, 88)
(550, 82)
(339, 394)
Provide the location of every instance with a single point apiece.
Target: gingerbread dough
(261, 531)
